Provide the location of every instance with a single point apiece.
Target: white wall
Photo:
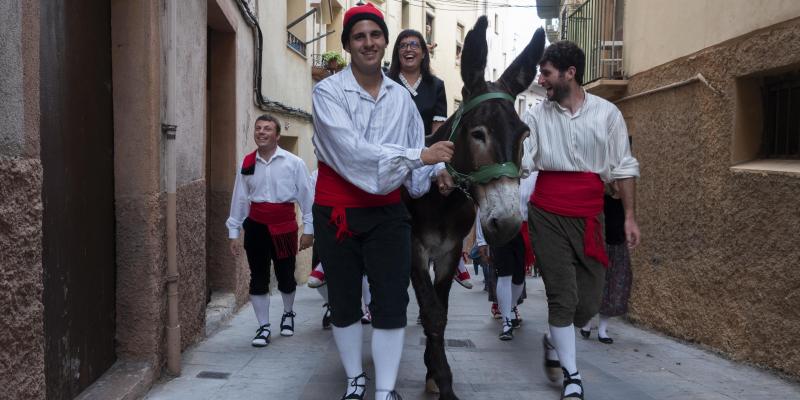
(658, 31)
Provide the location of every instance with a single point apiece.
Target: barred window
(781, 102)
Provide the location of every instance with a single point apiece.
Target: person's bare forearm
(627, 192)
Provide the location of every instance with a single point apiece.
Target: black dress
(430, 99)
(619, 277)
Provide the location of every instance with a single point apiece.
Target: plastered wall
(21, 285)
(718, 263)
(658, 31)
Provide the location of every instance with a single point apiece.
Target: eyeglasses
(411, 44)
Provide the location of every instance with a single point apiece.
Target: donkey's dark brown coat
(491, 133)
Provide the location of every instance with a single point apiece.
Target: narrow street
(639, 365)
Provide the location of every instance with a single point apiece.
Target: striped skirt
(619, 279)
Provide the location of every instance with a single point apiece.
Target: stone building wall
(718, 264)
(21, 283)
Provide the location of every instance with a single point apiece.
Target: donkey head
(492, 132)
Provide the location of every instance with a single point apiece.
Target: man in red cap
(369, 140)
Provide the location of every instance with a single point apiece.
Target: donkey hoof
(431, 386)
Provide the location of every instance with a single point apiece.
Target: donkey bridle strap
(485, 173)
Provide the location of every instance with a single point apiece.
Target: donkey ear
(473, 58)
(519, 75)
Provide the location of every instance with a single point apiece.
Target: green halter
(485, 173)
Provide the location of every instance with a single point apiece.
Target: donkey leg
(423, 290)
(433, 321)
(444, 268)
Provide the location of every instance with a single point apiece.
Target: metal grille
(316, 61)
(295, 44)
(213, 375)
(781, 137)
(463, 343)
(596, 28)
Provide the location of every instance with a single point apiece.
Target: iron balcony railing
(596, 26)
(316, 61)
(296, 44)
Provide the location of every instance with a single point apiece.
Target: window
(497, 24)
(456, 104)
(781, 112)
(429, 36)
(296, 26)
(521, 105)
(404, 17)
(459, 42)
(766, 134)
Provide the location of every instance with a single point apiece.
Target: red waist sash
(334, 191)
(530, 258)
(281, 221)
(577, 195)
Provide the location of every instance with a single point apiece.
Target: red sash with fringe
(334, 191)
(530, 258)
(281, 222)
(576, 195)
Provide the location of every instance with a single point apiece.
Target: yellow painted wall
(443, 60)
(286, 75)
(658, 31)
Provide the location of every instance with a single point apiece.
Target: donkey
(488, 137)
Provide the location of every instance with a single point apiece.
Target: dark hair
(270, 118)
(425, 67)
(564, 54)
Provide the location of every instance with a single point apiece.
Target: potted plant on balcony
(333, 61)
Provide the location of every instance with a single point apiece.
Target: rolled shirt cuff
(308, 229)
(436, 168)
(414, 156)
(233, 233)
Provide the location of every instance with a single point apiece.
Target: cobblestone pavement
(639, 365)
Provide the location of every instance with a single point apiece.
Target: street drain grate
(464, 343)
(213, 375)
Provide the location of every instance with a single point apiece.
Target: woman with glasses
(411, 67)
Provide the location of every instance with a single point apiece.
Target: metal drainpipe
(169, 128)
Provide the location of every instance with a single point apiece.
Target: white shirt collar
(279, 152)
(411, 88)
(563, 109)
(351, 84)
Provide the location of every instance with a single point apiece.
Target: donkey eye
(478, 135)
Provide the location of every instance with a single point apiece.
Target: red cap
(358, 13)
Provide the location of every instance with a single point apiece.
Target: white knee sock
(349, 341)
(564, 342)
(366, 296)
(504, 296)
(551, 354)
(261, 307)
(588, 325)
(288, 301)
(601, 328)
(323, 291)
(516, 293)
(461, 266)
(387, 347)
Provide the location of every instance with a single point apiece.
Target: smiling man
(369, 141)
(270, 181)
(577, 142)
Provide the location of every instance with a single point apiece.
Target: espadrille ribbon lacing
(572, 380)
(355, 395)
